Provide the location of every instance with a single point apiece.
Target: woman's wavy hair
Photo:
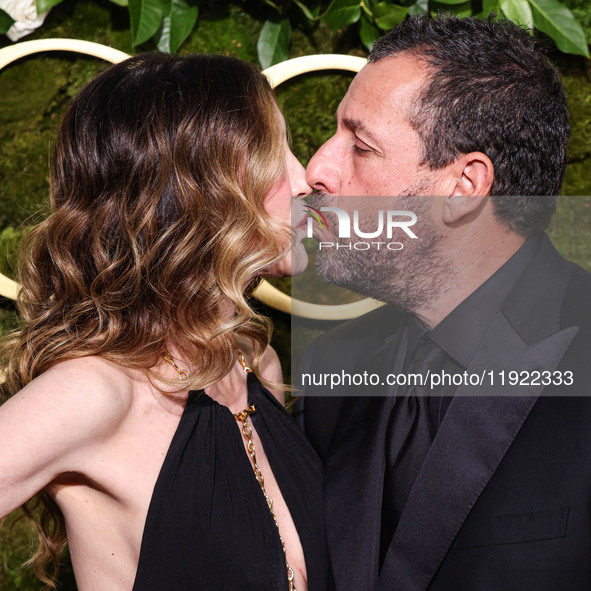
(158, 228)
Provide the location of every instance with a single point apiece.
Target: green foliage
(179, 20)
(451, 2)
(145, 17)
(168, 23)
(558, 22)
(569, 230)
(422, 7)
(370, 18)
(388, 15)
(341, 13)
(582, 12)
(309, 104)
(5, 22)
(273, 42)
(15, 546)
(368, 32)
(27, 128)
(518, 11)
(8, 322)
(10, 240)
(578, 177)
(43, 5)
(311, 16)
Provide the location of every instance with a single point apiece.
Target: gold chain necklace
(242, 417)
(183, 373)
(247, 432)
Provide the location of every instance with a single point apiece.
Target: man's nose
(322, 172)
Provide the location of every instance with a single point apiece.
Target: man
(480, 486)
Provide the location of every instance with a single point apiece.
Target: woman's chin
(293, 263)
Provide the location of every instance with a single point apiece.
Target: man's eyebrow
(357, 125)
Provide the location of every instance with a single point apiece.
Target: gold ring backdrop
(277, 74)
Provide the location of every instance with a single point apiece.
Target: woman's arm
(54, 423)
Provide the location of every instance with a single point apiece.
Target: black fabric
(420, 409)
(409, 435)
(208, 526)
(503, 498)
(460, 333)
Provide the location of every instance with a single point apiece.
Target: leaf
(559, 23)
(305, 10)
(419, 7)
(273, 42)
(341, 13)
(6, 22)
(488, 6)
(389, 15)
(45, 5)
(518, 11)
(463, 10)
(120, 2)
(451, 2)
(145, 16)
(176, 26)
(459, 9)
(368, 32)
(272, 4)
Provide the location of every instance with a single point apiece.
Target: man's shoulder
(380, 322)
(341, 347)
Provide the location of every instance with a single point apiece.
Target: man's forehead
(389, 81)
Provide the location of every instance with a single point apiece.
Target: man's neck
(474, 261)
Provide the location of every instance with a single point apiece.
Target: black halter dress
(208, 526)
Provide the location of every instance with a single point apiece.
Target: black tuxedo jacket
(503, 499)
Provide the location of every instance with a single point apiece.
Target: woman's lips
(302, 224)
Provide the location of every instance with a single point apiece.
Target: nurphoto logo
(391, 219)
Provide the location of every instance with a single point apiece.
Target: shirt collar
(459, 334)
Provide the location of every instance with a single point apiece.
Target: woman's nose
(297, 177)
(321, 173)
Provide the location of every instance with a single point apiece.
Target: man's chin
(331, 267)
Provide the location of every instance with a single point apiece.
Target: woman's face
(285, 204)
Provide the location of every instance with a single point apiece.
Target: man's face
(376, 153)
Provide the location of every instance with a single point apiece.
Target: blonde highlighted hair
(158, 227)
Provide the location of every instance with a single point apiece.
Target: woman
(171, 194)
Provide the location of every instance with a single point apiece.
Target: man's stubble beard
(408, 279)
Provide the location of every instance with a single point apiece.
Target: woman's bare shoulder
(90, 390)
(52, 425)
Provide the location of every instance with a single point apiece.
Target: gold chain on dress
(247, 432)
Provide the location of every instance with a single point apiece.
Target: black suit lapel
(472, 439)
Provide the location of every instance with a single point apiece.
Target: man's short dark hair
(490, 90)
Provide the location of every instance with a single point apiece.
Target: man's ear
(470, 179)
